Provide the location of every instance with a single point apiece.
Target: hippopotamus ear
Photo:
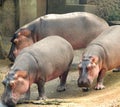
(16, 41)
(20, 73)
(12, 83)
(25, 32)
(94, 59)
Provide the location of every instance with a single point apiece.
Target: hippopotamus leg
(41, 90)
(99, 84)
(63, 77)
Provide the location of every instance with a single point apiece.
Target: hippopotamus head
(15, 84)
(88, 71)
(21, 39)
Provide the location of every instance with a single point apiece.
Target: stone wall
(7, 25)
(41, 7)
(7, 18)
(27, 11)
(64, 6)
(14, 14)
(107, 9)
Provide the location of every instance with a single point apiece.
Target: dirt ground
(73, 96)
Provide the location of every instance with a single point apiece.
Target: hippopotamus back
(78, 28)
(49, 56)
(109, 40)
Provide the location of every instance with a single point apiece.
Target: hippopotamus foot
(42, 98)
(61, 88)
(116, 69)
(41, 90)
(99, 87)
(63, 77)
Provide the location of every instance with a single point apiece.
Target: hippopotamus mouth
(85, 86)
(84, 83)
(7, 98)
(10, 102)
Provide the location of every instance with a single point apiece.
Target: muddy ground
(73, 96)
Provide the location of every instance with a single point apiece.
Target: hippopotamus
(78, 28)
(101, 55)
(41, 62)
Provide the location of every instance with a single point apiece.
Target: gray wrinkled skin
(43, 61)
(79, 28)
(103, 54)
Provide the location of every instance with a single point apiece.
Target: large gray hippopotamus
(78, 28)
(43, 61)
(101, 55)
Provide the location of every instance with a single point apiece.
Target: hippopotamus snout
(83, 82)
(9, 102)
